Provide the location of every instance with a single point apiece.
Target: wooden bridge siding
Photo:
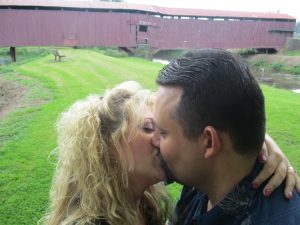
(64, 28)
(24, 28)
(219, 34)
(174, 33)
(80, 28)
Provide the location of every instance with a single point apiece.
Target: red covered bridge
(61, 23)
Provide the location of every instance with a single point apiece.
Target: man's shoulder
(276, 209)
(191, 203)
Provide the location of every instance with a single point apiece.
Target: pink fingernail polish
(267, 192)
(254, 185)
(262, 158)
(291, 194)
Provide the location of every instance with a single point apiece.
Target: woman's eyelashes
(148, 127)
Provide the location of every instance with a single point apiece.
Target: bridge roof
(144, 8)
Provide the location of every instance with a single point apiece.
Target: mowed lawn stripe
(126, 68)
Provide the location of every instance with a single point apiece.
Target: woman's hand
(276, 164)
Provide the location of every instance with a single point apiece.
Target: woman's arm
(278, 166)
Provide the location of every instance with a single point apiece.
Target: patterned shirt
(242, 206)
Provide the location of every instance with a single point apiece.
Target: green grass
(283, 120)
(27, 135)
(293, 53)
(24, 54)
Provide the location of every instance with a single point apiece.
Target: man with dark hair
(211, 117)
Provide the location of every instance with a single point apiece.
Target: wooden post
(12, 51)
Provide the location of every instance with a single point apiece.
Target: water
(4, 61)
(162, 61)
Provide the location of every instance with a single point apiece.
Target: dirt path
(12, 96)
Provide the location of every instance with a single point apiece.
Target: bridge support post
(12, 51)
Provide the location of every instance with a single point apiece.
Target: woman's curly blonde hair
(90, 184)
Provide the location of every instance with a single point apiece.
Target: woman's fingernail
(290, 194)
(262, 158)
(268, 192)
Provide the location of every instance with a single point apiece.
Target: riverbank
(277, 70)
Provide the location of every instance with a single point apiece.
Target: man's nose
(156, 138)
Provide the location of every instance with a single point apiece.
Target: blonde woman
(108, 170)
(107, 166)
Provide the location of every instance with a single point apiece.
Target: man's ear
(211, 141)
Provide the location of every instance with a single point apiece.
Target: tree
(297, 29)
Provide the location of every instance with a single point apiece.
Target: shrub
(295, 70)
(277, 67)
(293, 53)
(143, 51)
(260, 62)
(246, 52)
(113, 52)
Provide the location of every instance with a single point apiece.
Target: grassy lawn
(27, 135)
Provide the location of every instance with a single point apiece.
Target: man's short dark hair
(220, 91)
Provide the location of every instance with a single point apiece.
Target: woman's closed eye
(148, 126)
(148, 129)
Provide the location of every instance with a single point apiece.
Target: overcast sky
(283, 6)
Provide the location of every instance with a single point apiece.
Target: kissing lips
(169, 176)
(156, 152)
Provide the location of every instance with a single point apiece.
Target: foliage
(169, 54)
(246, 52)
(277, 67)
(27, 135)
(114, 52)
(280, 68)
(295, 69)
(143, 51)
(297, 28)
(259, 63)
(293, 53)
(24, 54)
